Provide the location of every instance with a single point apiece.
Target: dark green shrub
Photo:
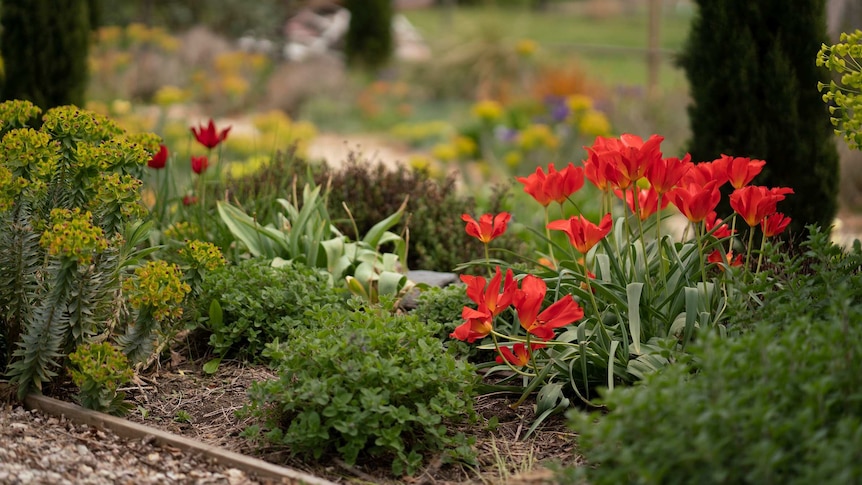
(44, 45)
(369, 42)
(366, 383)
(779, 404)
(753, 83)
(260, 304)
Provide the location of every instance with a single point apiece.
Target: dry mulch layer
(182, 399)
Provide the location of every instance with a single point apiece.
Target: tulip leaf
(633, 294)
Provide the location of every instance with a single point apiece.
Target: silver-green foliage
(69, 223)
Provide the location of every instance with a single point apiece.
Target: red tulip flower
(477, 325)
(741, 171)
(696, 201)
(600, 166)
(704, 172)
(190, 200)
(712, 222)
(159, 159)
(555, 185)
(728, 259)
(518, 355)
(667, 173)
(647, 201)
(488, 297)
(774, 224)
(490, 302)
(208, 136)
(489, 226)
(582, 233)
(629, 156)
(199, 164)
(755, 202)
(528, 302)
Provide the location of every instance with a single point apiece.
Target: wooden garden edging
(130, 430)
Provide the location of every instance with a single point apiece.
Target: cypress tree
(44, 44)
(751, 68)
(369, 41)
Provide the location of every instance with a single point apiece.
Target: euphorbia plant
(625, 297)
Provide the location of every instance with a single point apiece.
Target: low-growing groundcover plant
(781, 403)
(252, 303)
(366, 384)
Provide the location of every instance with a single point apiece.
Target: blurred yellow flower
(234, 85)
(579, 102)
(526, 47)
(465, 146)
(594, 123)
(109, 34)
(121, 107)
(537, 136)
(248, 167)
(445, 152)
(168, 95)
(512, 159)
(137, 32)
(488, 110)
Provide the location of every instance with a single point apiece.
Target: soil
(180, 398)
(184, 400)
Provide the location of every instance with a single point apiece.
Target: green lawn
(568, 36)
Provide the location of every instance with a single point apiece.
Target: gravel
(40, 449)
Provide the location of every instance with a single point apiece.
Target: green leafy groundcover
(781, 403)
(363, 384)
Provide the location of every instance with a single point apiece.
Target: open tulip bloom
(648, 294)
(208, 136)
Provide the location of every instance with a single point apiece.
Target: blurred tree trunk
(44, 45)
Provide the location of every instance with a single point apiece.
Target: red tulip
(528, 301)
(582, 233)
(666, 173)
(555, 185)
(755, 202)
(190, 200)
(712, 221)
(741, 171)
(488, 227)
(518, 355)
(208, 136)
(199, 164)
(647, 201)
(490, 302)
(774, 224)
(629, 156)
(696, 201)
(159, 159)
(728, 259)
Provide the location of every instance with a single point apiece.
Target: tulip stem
(548, 236)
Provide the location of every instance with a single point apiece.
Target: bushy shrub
(365, 383)
(779, 404)
(259, 303)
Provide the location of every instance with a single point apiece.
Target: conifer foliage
(44, 44)
(754, 92)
